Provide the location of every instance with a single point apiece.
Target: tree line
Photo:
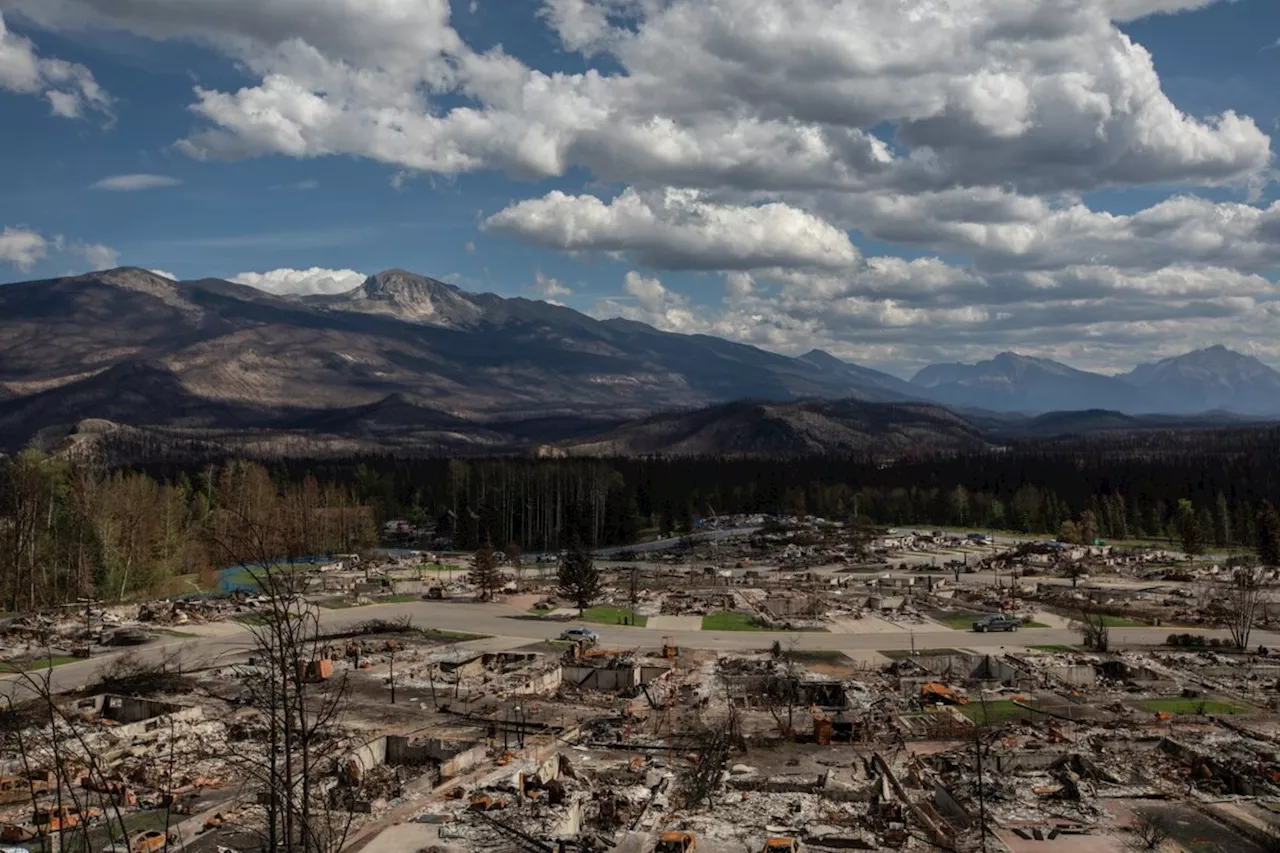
(1129, 487)
(69, 530)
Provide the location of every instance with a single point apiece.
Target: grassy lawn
(1122, 622)
(1183, 705)
(1055, 649)
(729, 621)
(964, 621)
(182, 585)
(995, 712)
(1107, 619)
(10, 667)
(442, 567)
(606, 615)
(398, 598)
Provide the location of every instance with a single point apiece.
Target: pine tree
(1268, 535)
(579, 577)
(1190, 531)
(1221, 522)
(484, 572)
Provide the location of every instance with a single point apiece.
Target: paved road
(229, 641)
(701, 537)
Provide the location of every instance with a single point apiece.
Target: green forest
(69, 530)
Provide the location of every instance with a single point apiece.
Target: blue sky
(779, 190)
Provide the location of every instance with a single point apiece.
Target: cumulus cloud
(96, 255)
(678, 229)
(69, 87)
(1039, 96)
(22, 248)
(134, 183)
(647, 300)
(751, 138)
(291, 282)
(549, 288)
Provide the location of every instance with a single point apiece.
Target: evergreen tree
(1188, 525)
(1221, 522)
(579, 577)
(1268, 534)
(484, 572)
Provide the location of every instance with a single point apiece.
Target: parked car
(996, 622)
(151, 841)
(576, 635)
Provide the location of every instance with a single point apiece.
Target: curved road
(224, 642)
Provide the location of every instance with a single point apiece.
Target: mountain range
(409, 363)
(1213, 379)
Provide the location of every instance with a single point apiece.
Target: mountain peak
(820, 358)
(412, 297)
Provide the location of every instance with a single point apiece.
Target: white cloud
(749, 137)
(97, 256)
(69, 87)
(286, 282)
(648, 301)
(164, 274)
(1044, 97)
(678, 229)
(549, 288)
(22, 248)
(134, 183)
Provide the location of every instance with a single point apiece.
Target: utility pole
(982, 793)
(392, 650)
(635, 591)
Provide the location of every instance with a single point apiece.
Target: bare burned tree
(289, 681)
(1094, 631)
(1245, 602)
(1149, 831)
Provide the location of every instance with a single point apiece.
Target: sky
(898, 182)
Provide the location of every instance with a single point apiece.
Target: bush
(1191, 641)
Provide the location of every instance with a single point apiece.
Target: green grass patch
(439, 568)
(993, 713)
(1192, 705)
(730, 621)
(605, 615)
(15, 666)
(964, 621)
(398, 598)
(1122, 622)
(1055, 649)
